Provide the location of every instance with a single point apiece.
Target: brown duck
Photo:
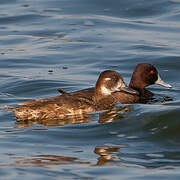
(144, 75)
(75, 103)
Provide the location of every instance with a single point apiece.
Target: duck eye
(152, 72)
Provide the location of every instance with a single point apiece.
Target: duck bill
(162, 83)
(129, 90)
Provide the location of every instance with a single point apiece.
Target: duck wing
(86, 94)
(54, 108)
(37, 101)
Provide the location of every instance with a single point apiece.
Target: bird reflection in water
(106, 153)
(115, 114)
(111, 115)
(45, 161)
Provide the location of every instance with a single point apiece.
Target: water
(47, 44)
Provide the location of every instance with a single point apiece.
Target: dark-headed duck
(75, 103)
(144, 75)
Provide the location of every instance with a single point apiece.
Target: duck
(144, 75)
(74, 103)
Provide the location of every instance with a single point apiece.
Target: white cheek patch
(119, 85)
(105, 91)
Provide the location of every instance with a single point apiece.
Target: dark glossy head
(145, 75)
(111, 81)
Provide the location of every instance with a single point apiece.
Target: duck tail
(61, 91)
(7, 107)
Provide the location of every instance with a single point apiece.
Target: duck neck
(143, 92)
(137, 85)
(98, 95)
(103, 101)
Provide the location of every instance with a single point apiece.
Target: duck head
(110, 82)
(145, 75)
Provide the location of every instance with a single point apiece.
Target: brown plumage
(144, 75)
(74, 103)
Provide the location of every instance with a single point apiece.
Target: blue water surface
(51, 44)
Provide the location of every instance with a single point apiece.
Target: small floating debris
(25, 5)
(50, 71)
(65, 67)
(52, 10)
(167, 98)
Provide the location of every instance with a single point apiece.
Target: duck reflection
(45, 161)
(111, 115)
(56, 122)
(115, 114)
(106, 153)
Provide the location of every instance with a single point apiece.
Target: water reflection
(56, 122)
(106, 153)
(117, 113)
(45, 161)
